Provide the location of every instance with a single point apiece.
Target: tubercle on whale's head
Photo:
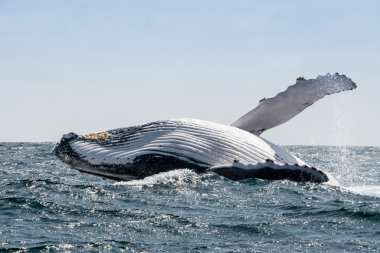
(63, 149)
(69, 136)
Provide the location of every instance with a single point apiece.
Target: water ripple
(45, 206)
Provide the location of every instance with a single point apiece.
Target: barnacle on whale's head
(96, 136)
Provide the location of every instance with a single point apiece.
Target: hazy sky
(94, 65)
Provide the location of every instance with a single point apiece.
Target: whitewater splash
(184, 177)
(369, 190)
(173, 177)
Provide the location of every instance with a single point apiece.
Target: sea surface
(46, 206)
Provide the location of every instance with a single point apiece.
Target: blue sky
(94, 65)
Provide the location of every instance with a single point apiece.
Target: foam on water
(176, 177)
(369, 190)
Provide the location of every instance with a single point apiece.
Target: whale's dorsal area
(272, 112)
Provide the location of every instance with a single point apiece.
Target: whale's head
(63, 149)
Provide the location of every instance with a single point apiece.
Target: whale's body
(236, 152)
(137, 152)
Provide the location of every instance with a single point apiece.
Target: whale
(235, 151)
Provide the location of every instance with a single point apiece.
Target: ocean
(46, 206)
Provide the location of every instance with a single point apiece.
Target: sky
(92, 65)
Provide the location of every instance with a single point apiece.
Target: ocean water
(45, 206)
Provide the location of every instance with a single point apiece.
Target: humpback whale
(236, 152)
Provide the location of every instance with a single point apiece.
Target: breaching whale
(236, 152)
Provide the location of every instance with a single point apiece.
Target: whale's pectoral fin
(271, 171)
(274, 111)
